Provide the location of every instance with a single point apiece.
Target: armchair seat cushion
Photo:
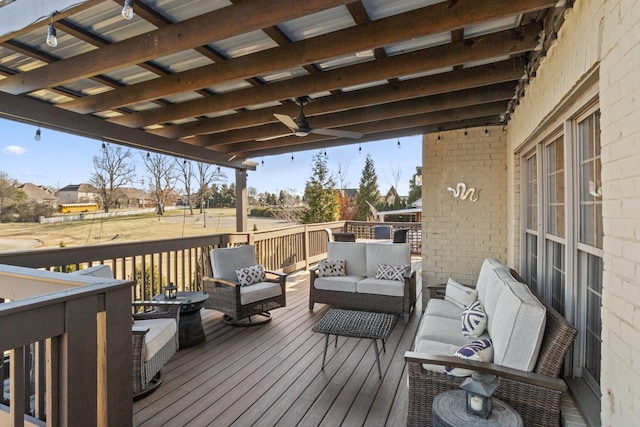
(160, 332)
(259, 291)
(381, 287)
(337, 283)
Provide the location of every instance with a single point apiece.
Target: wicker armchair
(535, 395)
(154, 341)
(239, 303)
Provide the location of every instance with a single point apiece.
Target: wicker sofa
(358, 288)
(529, 342)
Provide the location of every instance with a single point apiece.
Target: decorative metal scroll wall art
(463, 193)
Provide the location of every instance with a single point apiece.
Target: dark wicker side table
(449, 411)
(190, 331)
(356, 324)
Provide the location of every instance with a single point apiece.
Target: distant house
(80, 193)
(128, 197)
(38, 194)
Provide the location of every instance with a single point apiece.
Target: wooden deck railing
(55, 326)
(60, 368)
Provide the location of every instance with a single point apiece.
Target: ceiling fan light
(301, 133)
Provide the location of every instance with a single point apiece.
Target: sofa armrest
(532, 378)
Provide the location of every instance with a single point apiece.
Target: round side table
(449, 410)
(190, 331)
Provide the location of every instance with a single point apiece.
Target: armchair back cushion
(384, 253)
(224, 263)
(101, 270)
(353, 253)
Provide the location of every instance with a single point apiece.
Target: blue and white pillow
(474, 320)
(251, 275)
(480, 350)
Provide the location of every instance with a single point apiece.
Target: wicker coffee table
(355, 324)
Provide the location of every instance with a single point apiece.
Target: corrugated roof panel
(491, 26)
(182, 121)
(316, 24)
(181, 61)
(17, 61)
(143, 106)
(263, 105)
(50, 96)
(108, 114)
(378, 9)
(229, 86)
(221, 113)
(426, 73)
(68, 45)
(131, 75)
(346, 60)
(284, 74)
(105, 20)
(418, 43)
(364, 85)
(182, 97)
(181, 10)
(87, 87)
(486, 61)
(244, 44)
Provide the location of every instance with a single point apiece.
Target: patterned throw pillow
(459, 294)
(391, 272)
(328, 268)
(480, 350)
(251, 275)
(474, 320)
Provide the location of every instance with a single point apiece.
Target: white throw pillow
(391, 272)
(474, 320)
(328, 268)
(459, 294)
(251, 275)
(480, 350)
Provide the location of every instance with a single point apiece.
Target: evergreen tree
(368, 190)
(320, 194)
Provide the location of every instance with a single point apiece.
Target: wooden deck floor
(271, 375)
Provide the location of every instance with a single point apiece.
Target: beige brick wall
(619, 91)
(600, 35)
(459, 234)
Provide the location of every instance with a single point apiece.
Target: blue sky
(60, 159)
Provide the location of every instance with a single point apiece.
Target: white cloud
(14, 149)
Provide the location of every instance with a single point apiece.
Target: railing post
(305, 239)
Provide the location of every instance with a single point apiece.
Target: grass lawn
(149, 226)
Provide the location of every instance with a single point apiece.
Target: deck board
(271, 375)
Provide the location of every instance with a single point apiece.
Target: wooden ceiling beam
(371, 35)
(428, 119)
(378, 136)
(484, 47)
(466, 78)
(187, 34)
(387, 111)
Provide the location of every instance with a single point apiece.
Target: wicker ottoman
(356, 324)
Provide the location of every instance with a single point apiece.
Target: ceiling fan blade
(338, 133)
(269, 138)
(288, 121)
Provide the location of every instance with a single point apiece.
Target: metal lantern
(171, 292)
(479, 388)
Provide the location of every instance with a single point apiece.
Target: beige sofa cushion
(353, 253)
(517, 325)
(443, 308)
(394, 288)
(337, 283)
(259, 291)
(487, 266)
(160, 332)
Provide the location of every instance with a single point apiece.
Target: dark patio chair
(400, 236)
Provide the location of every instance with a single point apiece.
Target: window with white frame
(562, 231)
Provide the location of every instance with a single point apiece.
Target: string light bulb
(38, 134)
(465, 132)
(359, 148)
(291, 157)
(127, 10)
(486, 131)
(52, 38)
(262, 162)
(439, 137)
(399, 146)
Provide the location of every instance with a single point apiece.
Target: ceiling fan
(300, 125)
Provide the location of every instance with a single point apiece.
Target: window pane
(591, 231)
(555, 280)
(590, 282)
(531, 262)
(532, 193)
(555, 188)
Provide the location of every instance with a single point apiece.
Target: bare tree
(162, 175)
(396, 174)
(112, 171)
(207, 175)
(185, 175)
(343, 170)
